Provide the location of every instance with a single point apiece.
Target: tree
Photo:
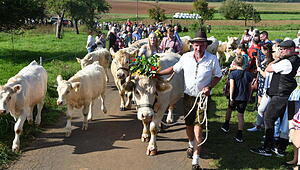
(230, 9)
(201, 7)
(157, 13)
(58, 7)
(93, 10)
(17, 15)
(235, 9)
(248, 12)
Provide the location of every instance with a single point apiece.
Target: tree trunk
(59, 25)
(76, 26)
(245, 22)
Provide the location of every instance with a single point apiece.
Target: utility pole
(137, 11)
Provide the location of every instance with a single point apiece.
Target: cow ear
(112, 52)
(76, 86)
(17, 88)
(78, 60)
(163, 86)
(59, 79)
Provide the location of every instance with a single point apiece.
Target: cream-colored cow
(102, 55)
(20, 94)
(80, 91)
(120, 71)
(153, 97)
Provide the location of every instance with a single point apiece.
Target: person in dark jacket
(282, 84)
(112, 38)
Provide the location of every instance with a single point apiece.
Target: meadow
(59, 57)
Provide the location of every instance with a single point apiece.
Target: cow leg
(69, 118)
(146, 132)
(30, 116)
(106, 74)
(103, 107)
(18, 130)
(90, 114)
(85, 112)
(129, 99)
(38, 116)
(170, 116)
(152, 146)
(122, 105)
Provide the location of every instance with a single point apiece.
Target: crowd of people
(123, 35)
(261, 65)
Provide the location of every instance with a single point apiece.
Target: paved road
(112, 142)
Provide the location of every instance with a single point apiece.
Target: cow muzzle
(2, 112)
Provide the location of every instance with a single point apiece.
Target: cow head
(7, 95)
(84, 62)
(233, 43)
(64, 89)
(122, 59)
(146, 91)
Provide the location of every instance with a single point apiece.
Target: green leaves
(145, 66)
(157, 13)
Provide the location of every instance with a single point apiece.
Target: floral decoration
(147, 66)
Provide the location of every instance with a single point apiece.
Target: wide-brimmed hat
(200, 37)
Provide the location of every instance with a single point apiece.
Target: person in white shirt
(201, 73)
(91, 42)
(297, 42)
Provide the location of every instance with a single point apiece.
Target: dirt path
(112, 141)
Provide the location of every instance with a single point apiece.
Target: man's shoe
(278, 152)
(254, 129)
(196, 167)
(225, 128)
(189, 153)
(261, 151)
(238, 139)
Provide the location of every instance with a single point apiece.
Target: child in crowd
(240, 81)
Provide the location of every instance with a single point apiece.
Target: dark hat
(278, 40)
(287, 43)
(200, 37)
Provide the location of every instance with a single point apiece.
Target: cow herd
(153, 97)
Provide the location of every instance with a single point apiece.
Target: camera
(254, 53)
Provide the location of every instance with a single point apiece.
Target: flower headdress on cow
(147, 66)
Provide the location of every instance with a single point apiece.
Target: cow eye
(9, 98)
(67, 92)
(137, 93)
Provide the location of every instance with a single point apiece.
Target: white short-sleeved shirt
(284, 67)
(90, 41)
(197, 74)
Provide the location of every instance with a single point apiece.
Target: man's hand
(206, 90)
(231, 103)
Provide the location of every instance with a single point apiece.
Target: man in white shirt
(201, 73)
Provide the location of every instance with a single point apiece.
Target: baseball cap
(287, 43)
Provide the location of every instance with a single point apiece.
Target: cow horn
(171, 77)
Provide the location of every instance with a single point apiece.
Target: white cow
(20, 94)
(153, 97)
(120, 71)
(81, 90)
(102, 55)
(227, 47)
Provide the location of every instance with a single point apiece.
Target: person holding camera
(240, 80)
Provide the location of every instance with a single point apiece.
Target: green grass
(59, 58)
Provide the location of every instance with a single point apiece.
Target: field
(59, 58)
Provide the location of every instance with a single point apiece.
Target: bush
(157, 13)
(230, 9)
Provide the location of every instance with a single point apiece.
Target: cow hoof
(169, 121)
(145, 139)
(89, 120)
(122, 109)
(30, 122)
(84, 127)
(104, 111)
(151, 153)
(68, 134)
(15, 149)
(37, 123)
